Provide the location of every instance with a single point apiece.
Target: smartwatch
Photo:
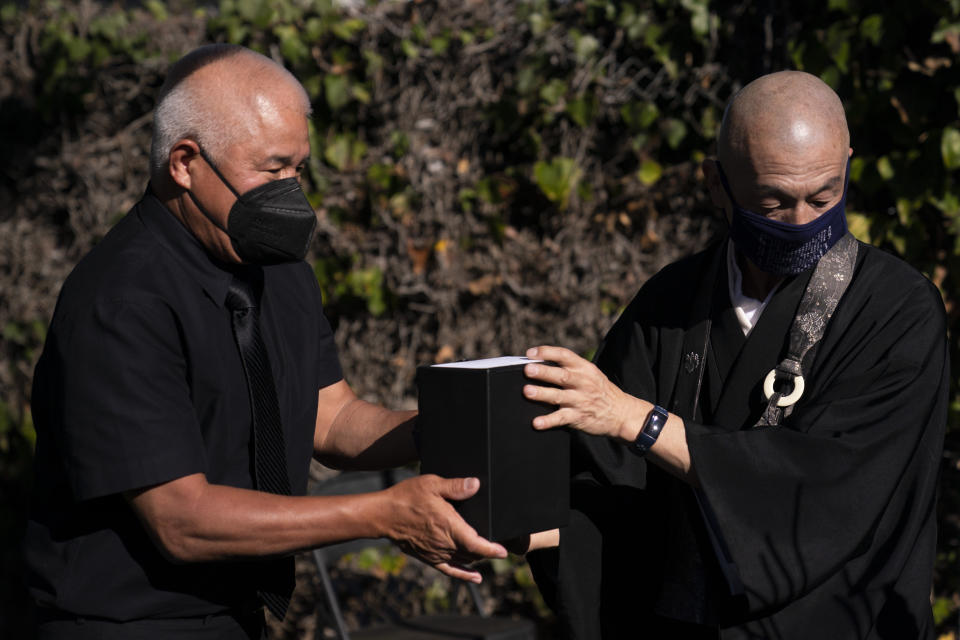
(650, 431)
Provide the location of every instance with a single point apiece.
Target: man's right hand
(423, 523)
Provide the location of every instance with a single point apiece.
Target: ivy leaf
(675, 131)
(313, 29)
(943, 609)
(871, 28)
(708, 122)
(699, 16)
(950, 148)
(553, 91)
(650, 171)
(585, 47)
(379, 175)
(949, 205)
(344, 152)
(291, 46)
(337, 153)
(557, 179)
(360, 94)
(157, 9)
(367, 284)
(838, 44)
(885, 167)
(257, 12)
(409, 49)
(336, 89)
(539, 24)
(859, 225)
(439, 45)
(639, 116)
(347, 29)
(581, 110)
(374, 61)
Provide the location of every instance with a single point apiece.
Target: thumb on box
(458, 488)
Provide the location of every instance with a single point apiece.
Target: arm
(192, 520)
(590, 402)
(354, 434)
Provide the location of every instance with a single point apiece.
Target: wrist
(377, 515)
(383, 516)
(633, 418)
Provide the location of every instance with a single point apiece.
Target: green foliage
(71, 46)
(347, 286)
(950, 148)
(943, 610)
(343, 151)
(378, 559)
(437, 597)
(557, 179)
(650, 171)
(22, 342)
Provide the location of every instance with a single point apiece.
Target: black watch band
(650, 431)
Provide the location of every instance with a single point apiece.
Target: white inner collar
(748, 309)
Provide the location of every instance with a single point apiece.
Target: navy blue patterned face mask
(782, 248)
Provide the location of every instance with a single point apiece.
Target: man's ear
(711, 173)
(182, 154)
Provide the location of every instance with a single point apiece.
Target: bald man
(730, 480)
(189, 375)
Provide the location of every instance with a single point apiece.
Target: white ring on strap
(785, 401)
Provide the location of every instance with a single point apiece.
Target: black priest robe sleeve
(824, 524)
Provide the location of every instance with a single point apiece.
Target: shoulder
(891, 318)
(127, 268)
(683, 272)
(120, 264)
(877, 262)
(883, 281)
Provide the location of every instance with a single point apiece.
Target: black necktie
(269, 453)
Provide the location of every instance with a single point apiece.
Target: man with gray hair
(761, 432)
(189, 375)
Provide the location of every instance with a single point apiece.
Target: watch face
(651, 429)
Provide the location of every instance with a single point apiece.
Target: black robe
(823, 525)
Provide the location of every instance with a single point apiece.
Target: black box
(475, 422)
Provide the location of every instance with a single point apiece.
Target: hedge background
(488, 176)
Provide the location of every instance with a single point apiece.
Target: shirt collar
(212, 275)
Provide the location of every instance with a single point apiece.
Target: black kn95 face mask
(269, 224)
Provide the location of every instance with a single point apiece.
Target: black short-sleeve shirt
(140, 382)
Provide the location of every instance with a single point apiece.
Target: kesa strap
(784, 385)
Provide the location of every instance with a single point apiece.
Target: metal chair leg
(330, 596)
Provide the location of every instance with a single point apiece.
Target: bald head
(219, 95)
(788, 111)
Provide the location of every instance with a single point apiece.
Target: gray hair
(183, 111)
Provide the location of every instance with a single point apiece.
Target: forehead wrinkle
(777, 190)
